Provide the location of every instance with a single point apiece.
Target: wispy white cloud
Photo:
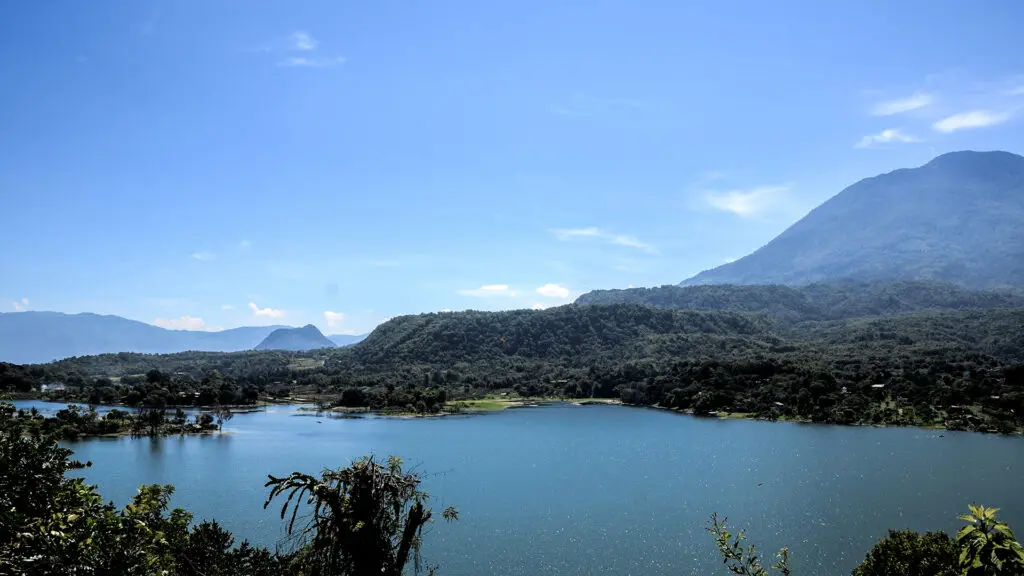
(1016, 91)
(303, 41)
(630, 241)
(20, 306)
(385, 263)
(888, 136)
(204, 256)
(748, 203)
(971, 119)
(265, 312)
(568, 233)
(334, 319)
(244, 245)
(303, 62)
(226, 307)
(183, 323)
(901, 105)
(489, 290)
(553, 291)
(602, 235)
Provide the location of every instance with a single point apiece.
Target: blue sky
(215, 164)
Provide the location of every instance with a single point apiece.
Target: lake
(565, 489)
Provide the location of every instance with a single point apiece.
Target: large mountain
(820, 301)
(298, 339)
(36, 337)
(958, 218)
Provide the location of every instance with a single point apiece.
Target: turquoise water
(598, 489)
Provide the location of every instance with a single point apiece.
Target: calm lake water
(597, 489)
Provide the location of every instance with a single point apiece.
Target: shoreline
(129, 434)
(489, 405)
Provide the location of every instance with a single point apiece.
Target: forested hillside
(823, 301)
(571, 334)
(959, 368)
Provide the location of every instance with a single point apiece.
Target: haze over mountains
(37, 337)
(958, 218)
(917, 239)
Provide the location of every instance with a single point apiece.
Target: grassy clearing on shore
(734, 415)
(592, 401)
(486, 404)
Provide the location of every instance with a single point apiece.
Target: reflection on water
(597, 489)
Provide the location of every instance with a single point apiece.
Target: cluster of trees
(838, 300)
(73, 422)
(959, 368)
(154, 388)
(407, 400)
(984, 546)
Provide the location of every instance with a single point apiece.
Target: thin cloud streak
(971, 119)
(902, 105)
(889, 136)
(592, 232)
(183, 323)
(489, 290)
(748, 203)
(301, 62)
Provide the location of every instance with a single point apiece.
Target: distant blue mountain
(37, 337)
(296, 339)
(342, 340)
